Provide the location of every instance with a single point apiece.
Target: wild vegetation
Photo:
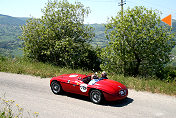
(8, 109)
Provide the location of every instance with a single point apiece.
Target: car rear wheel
(96, 96)
(56, 87)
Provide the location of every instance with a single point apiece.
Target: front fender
(106, 89)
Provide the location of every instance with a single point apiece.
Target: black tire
(96, 96)
(56, 87)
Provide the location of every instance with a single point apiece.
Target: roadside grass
(147, 84)
(24, 66)
(44, 70)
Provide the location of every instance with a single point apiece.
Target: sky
(101, 10)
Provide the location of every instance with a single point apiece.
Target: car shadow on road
(76, 96)
(119, 103)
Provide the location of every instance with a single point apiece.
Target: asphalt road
(34, 94)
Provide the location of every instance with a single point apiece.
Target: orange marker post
(168, 20)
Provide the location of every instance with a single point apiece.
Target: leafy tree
(60, 36)
(139, 44)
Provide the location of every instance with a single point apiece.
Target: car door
(75, 85)
(80, 87)
(72, 84)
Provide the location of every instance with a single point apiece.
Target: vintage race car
(97, 91)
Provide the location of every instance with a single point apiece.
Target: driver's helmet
(103, 74)
(95, 76)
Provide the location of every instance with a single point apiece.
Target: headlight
(122, 92)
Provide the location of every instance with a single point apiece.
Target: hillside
(100, 38)
(13, 21)
(174, 25)
(9, 32)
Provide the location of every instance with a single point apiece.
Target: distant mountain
(100, 38)
(9, 32)
(173, 25)
(9, 20)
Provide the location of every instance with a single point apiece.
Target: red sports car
(97, 90)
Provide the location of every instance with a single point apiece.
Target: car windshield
(93, 81)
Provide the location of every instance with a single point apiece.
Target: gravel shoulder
(34, 94)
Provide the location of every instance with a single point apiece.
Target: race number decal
(83, 87)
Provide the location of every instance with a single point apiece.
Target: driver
(95, 76)
(103, 75)
(94, 79)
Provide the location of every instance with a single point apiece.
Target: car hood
(109, 86)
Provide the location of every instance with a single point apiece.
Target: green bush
(168, 74)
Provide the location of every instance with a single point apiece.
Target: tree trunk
(136, 68)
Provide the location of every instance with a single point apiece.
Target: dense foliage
(60, 36)
(139, 44)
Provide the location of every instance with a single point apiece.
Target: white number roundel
(83, 87)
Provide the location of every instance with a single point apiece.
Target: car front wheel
(56, 87)
(96, 96)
